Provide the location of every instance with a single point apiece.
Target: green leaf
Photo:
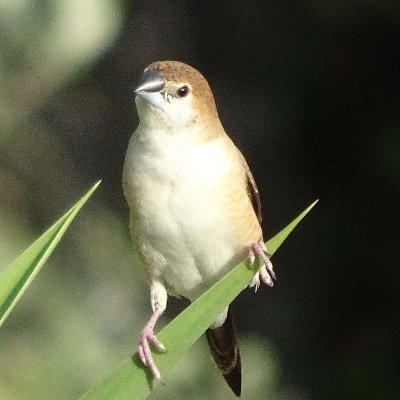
(133, 381)
(16, 278)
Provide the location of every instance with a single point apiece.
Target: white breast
(173, 184)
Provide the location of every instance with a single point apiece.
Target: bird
(194, 206)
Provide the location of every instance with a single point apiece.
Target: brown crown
(180, 73)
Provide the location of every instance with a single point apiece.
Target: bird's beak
(149, 88)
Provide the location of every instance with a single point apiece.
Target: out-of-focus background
(309, 91)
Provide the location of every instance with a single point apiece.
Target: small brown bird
(194, 206)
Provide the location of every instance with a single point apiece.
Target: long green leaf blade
(132, 380)
(16, 278)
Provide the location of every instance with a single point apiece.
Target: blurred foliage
(16, 278)
(195, 377)
(320, 82)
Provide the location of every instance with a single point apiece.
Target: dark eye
(183, 91)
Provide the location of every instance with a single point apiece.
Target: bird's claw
(144, 351)
(266, 270)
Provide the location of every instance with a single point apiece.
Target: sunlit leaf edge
(17, 276)
(131, 380)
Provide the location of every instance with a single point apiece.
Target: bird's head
(173, 94)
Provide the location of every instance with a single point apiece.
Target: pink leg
(266, 271)
(147, 335)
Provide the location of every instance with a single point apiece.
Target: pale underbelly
(187, 247)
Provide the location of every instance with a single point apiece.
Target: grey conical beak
(152, 81)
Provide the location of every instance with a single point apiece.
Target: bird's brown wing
(252, 189)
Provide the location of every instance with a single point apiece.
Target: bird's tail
(225, 352)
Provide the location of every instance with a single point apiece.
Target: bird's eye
(182, 91)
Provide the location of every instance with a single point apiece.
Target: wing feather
(252, 190)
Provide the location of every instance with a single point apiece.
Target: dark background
(308, 91)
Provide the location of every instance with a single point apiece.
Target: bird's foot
(144, 351)
(266, 270)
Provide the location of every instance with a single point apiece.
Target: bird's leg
(147, 335)
(159, 303)
(266, 270)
